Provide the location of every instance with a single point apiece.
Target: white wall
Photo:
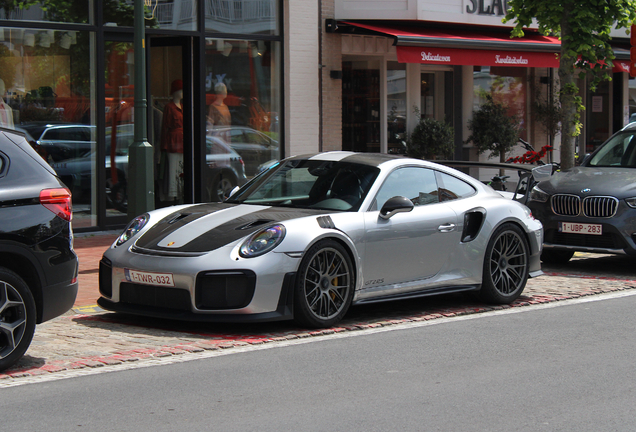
(482, 12)
(301, 82)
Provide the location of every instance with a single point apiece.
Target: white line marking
(181, 358)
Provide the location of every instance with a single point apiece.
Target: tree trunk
(567, 95)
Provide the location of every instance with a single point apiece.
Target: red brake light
(58, 201)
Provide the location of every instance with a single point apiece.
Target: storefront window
(242, 16)
(506, 85)
(396, 106)
(242, 85)
(161, 14)
(59, 11)
(47, 89)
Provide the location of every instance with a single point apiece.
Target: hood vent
(254, 224)
(178, 217)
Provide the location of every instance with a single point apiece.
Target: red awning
(458, 47)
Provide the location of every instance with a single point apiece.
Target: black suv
(38, 267)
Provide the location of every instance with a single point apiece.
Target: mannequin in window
(172, 142)
(219, 113)
(6, 113)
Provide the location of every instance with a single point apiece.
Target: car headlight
(631, 202)
(537, 194)
(262, 241)
(133, 228)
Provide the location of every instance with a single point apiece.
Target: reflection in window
(242, 98)
(242, 16)
(451, 188)
(47, 92)
(507, 85)
(417, 184)
(162, 14)
(76, 11)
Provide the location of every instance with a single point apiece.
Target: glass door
(167, 120)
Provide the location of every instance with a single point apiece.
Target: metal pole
(141, 193)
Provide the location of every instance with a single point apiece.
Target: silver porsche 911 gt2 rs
(313, 235)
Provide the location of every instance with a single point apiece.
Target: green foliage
(584, 29)
(493, 129)
(431, 138)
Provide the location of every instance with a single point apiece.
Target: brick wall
(331, 88)
(301, 79)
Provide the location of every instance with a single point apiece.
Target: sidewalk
(90, 248)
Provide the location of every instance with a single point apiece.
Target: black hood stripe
(220, 235)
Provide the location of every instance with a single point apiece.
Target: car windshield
(305, 183)
(619, 151)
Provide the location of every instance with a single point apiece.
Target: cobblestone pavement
(100, 338)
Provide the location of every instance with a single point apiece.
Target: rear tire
(17, 318)
(556, 256)
(324, 285)
(506, 265)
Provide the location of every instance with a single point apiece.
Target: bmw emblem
(586, 190)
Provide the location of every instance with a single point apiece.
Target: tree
(584, 29)
(492, 128)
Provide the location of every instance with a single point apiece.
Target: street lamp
(141, 193)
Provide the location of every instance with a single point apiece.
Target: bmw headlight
(631, 202)
(133, 228)
(262, 241)
(537, 194)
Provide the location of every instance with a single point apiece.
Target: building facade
(405, 59)
(231, 84)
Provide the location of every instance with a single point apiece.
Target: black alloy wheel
(506, 265)
(325, 285)
(17, 318)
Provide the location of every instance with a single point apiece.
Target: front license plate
(580, 228)
(148, 278)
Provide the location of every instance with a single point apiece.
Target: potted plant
(492, 128)
(431, 139)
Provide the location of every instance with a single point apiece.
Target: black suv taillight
(58, 200)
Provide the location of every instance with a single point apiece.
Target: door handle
(446, 227)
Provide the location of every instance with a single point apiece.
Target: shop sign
(475, 57)
(487, 7)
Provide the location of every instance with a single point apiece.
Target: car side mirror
(587, 157)
(542, 173)
(233, 191)
(397, 204)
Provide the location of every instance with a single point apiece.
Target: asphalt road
(564, 367)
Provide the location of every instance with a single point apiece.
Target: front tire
(324, 286)
(17, 318)
(506, 267)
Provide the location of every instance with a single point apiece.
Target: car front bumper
(618, 232)
(218, 286)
